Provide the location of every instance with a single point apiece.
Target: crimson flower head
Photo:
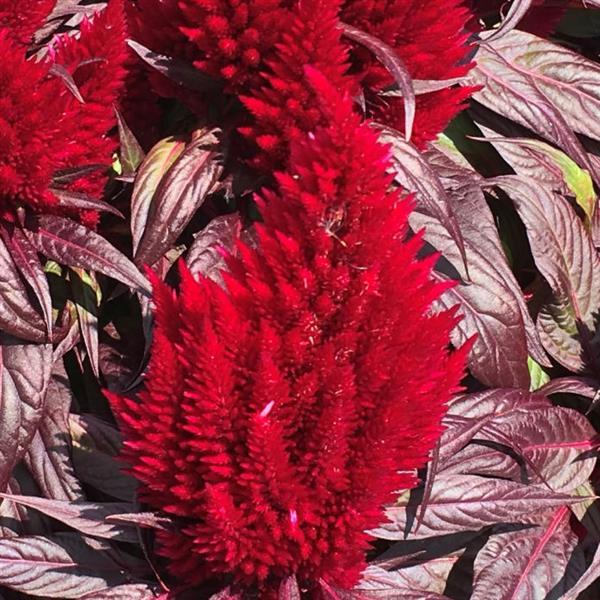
(22, 18)
(44, 129)
(283, 104)
(431, 40)
(282, 411)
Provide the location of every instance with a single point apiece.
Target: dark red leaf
(60, 566)
(88, 518)
(415, 174)
(393, 63)
(79, 201)
(180, 193)
(489, 304)
(530, 563)
(17, 316)
(25, 376)
(179, 71)
(72, 244)
(426, 581)
(468, 503)
(555, 442)
(565, 255)
(27, 261)
(206, 255)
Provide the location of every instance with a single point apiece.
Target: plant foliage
(299, 299)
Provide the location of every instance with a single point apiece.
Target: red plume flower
(43, 127)
(284, 106)
(232, 37)
(430, 38)
(22, 18)
(281, 413)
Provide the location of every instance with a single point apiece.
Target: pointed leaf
(206, 255)
(62, 566)
(530, 563)
(86, 517)
(555, 442)
(414, 173)
(25, 376)
(460, 181)
(154, 167)
(515, 93)
(72, 244)
(27, 261)
(180, 193)
(289, 590)
(393, 63)
(550, 163)
(179, 71)
(17, 316)
(468, 503)
(569, 81)
(426, 580)
(132, 591)
(131, 153)
(566, 257)
(518, 9)
(87, 297)
(489, 304)
(79, 201)
(48, 457)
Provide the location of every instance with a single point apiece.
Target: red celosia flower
(232, 37)
(96, 59)
(284, 106)
(430, 38)
(22, 18)
(280, 413)
(43, 127)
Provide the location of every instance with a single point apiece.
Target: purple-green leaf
(568, 80)
(131, 153)
(180, 193)
(565, 255)
(515, 93)
(154, 167)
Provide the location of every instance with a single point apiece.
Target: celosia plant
(44, 128)
(239, 44)
(281, 413)
(276, 417)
